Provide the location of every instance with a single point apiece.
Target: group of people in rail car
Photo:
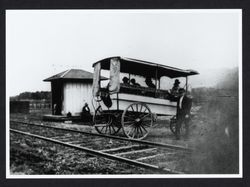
(133, 82)
(174, 91)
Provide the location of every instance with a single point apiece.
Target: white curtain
(114, 84)
(96, 79)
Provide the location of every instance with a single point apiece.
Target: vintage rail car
(132, 108)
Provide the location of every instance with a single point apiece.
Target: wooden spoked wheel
(136, 121)
(105, 123)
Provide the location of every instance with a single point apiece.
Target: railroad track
(133, 152)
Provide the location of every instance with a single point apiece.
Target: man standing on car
(184, 105)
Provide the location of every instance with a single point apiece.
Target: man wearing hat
(176, 87)
(184, 105)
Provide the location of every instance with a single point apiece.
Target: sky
(42, 43)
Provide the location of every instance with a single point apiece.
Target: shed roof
(73, 74)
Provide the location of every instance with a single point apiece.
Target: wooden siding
(156, 105)
(75, 94)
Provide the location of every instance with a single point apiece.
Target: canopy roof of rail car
(146, 69)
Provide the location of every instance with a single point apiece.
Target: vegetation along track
(149, 155)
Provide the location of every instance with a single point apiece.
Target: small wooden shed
(71, 89)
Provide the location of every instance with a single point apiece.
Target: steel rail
(102, 154)
(169, 146)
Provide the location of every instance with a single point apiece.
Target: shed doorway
(57, 97)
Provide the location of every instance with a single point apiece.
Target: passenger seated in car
(125, 80)
(149, 82)
(176, 87)
(134, 83)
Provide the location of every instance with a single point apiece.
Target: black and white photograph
(132, 93)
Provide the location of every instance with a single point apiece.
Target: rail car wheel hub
(137, 120)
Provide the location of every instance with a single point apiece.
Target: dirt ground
(30, 156)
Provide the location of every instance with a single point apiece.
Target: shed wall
(75, 94)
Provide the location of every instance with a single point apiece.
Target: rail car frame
(132, 108)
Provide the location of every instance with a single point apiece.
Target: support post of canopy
(186, 84)
(159, 83)
(156, 75)
(52, 99)
(117, 101)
